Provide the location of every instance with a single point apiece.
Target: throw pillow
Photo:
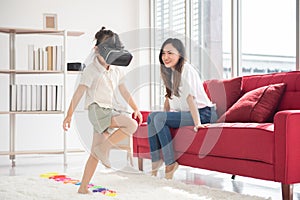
(224, 93)
(258, 105)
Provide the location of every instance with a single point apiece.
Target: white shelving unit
(12, 72)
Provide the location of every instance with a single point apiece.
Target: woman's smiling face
(170, 56)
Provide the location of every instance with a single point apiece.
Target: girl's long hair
(166, 73)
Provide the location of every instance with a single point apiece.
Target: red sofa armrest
(144, 114)
(140, 139)
(287, 146)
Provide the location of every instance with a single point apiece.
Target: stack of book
(36, 97)
(49, 58)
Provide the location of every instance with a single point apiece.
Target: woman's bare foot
(170, 169)
(155, 166)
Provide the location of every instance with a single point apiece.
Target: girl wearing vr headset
(101, 81)
(186, 104)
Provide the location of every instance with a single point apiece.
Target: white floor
(38, 164)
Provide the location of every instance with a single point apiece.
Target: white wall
(126, 17)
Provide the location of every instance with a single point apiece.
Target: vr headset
(113, 51)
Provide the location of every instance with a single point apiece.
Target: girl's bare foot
(83, 190)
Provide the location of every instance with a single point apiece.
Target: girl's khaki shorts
(100, 117)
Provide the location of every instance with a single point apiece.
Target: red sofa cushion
(246, 141)
(290, 99)
(258, 105)
(224, 93)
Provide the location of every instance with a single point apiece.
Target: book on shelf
(43, 98)
(30, 57)
(49, 50)
(54, 57)
(45, 60)
(13, 97)
(36, 97)
(59, 97)
(59, 58)
(53, 97)
(41, 58)
(23, 97)
(36, 60)
(19, 97)
(48, 97)
(50, 58)
(28, 98)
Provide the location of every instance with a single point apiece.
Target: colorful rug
(111, 185)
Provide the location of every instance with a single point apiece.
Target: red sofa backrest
(291, 96)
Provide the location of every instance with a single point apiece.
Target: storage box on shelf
(36, 98)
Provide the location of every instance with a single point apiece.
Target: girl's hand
(138, 114)
(67, 123)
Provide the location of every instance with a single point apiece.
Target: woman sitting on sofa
(186, 104)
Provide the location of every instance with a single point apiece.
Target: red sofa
(243, 141)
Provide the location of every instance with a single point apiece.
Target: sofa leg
(287, 191)
(233, 177)
(140, 164)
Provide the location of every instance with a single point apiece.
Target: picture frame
(50, 21)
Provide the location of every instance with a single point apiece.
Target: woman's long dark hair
(166, 73)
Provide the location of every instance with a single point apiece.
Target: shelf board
(14, 71)
(40, 152)
(74, 72)
(31, 112)
(38, 31)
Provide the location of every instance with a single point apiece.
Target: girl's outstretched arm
(74, 102)
(128, 98)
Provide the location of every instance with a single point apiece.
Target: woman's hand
(200, 126)
(138, 114)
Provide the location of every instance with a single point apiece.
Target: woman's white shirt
(190, 84)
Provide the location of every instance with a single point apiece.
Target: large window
(207, 30)
(268, 36)
(204, 28)
(228, 38)
(169, 21)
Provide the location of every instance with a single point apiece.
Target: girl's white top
(102, 84)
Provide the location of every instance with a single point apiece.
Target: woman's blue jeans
(159, 135)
